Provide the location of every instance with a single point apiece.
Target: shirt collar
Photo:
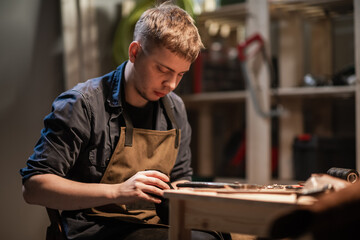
(118, 77)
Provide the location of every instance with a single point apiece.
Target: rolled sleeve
(66, 130)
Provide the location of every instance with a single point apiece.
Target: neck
(131, 95)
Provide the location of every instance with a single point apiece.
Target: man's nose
(171, 82)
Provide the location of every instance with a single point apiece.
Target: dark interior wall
(31, 69)
(31, 77)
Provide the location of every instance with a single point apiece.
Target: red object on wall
(198, 72)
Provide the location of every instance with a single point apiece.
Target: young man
(110, 145)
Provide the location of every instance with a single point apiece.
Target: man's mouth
(160, 94)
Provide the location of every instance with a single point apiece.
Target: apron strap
(128, 130)
(166, 102)
(128, 123)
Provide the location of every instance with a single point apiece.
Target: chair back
(56, 229)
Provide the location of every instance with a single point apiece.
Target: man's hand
(142, 186)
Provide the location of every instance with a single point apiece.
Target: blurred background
(49, 46)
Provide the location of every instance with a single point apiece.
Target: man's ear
(134, 50)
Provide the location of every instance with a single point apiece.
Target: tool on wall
(242, 58)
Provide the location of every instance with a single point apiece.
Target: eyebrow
(170, 69)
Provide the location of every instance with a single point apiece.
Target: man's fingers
(157, 174)
(157, 183)
(149, 185)
(153, 194)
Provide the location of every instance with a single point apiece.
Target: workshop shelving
(234, 96)
(256, 16)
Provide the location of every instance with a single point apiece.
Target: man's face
(156, 73)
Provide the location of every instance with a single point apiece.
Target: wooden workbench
(237, 212)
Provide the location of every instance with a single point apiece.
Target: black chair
(56, 229)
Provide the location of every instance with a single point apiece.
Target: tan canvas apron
(139, 150)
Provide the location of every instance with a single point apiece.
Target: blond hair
(169, 26)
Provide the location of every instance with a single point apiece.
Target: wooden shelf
(236, 96)
(231, 13)
(336, 6)
(211, 97)
(311, 8)
(334, 91)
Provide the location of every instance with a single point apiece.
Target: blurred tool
(345, 77)
(315, 81)
(242, 57)
(350, 175)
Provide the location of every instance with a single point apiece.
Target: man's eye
(162, 70)
(182, 74)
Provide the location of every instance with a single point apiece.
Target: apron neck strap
(128, 130)
(129, 126)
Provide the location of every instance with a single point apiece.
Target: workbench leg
(177, 221)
